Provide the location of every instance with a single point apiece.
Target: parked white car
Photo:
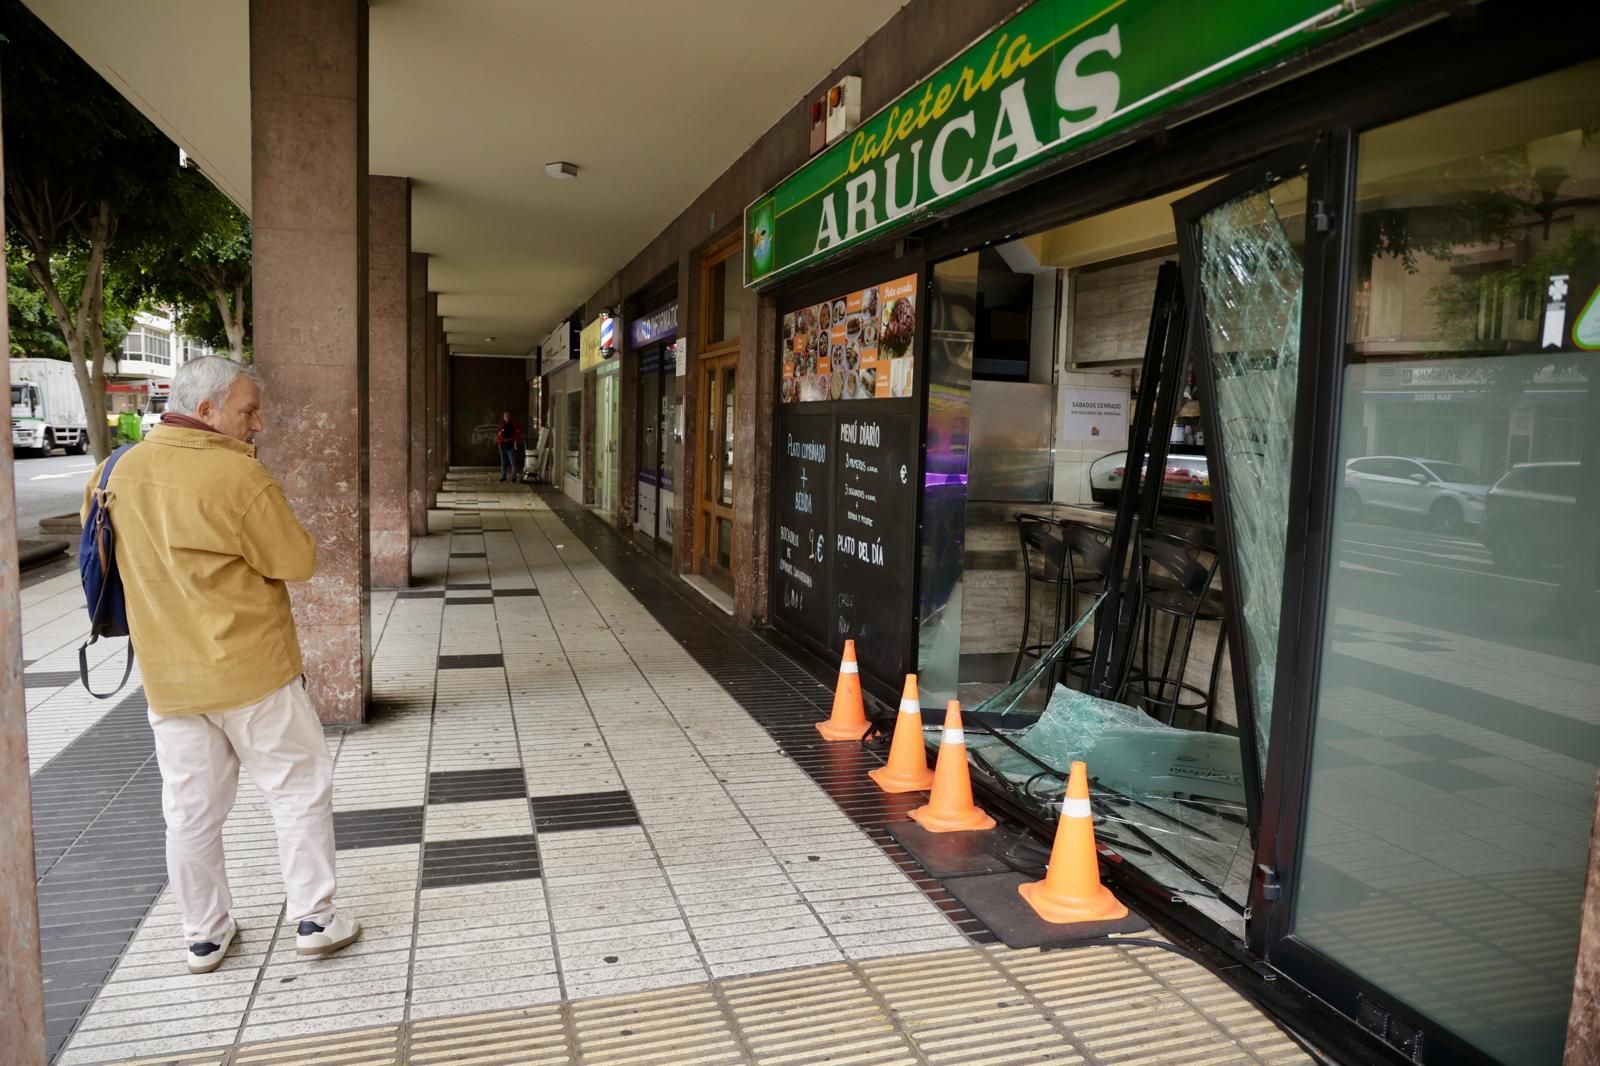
(1448, 495)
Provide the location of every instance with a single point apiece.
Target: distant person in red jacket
(506, 440)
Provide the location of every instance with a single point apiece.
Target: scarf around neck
(177, 421)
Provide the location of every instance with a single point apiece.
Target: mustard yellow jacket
(205, 543)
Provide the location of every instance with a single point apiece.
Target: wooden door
(714, 523)
(721, 289)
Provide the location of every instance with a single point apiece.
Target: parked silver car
(1531, 519)
(1448, 495)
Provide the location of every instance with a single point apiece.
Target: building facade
(1331, 272)
(152, 351)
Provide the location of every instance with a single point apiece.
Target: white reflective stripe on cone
(847, 668)
(954, 736)
(1074, 808)
(909, 707)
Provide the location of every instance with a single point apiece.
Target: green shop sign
(1057, 76)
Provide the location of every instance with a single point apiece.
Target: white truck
(46, 407)
(155, 405)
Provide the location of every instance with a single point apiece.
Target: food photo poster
(853, 347)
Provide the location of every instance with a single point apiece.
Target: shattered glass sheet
(1168, 800)
(1252, 284)
(1171, 801)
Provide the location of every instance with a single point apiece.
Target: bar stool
(1045, 566)
(1088, 562)
(1213, 609)
(1175, 575)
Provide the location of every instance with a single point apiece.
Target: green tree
(199, 265)
(33, 328)
(83, 169)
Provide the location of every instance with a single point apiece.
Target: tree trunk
(73, 326)
(232, 311)
(91, 321)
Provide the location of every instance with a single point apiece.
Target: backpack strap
(83, 670)
(103, 515)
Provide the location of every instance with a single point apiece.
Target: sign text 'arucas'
(1058, 75)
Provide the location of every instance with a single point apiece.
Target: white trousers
(279, 740)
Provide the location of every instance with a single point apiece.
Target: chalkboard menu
(844, 499)
(802, 500)
(874, 537)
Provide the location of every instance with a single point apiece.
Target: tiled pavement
(580, 784)
(967, 1007)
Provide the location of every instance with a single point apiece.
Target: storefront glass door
(570, 433)
(1440, 856)
(655, 434)
(648, 429)
(1244, 257)
(605, 441)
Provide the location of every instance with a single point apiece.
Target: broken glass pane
(1251, 284)
(1168, 801)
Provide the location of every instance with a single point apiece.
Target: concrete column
(417, 416)
(430, 428)
(388, 377)
(752, 479)
(308, 146)
(1583, 1026)
(21, 973)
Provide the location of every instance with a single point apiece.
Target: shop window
(1457, 732)
(573, 463)
(724, 293)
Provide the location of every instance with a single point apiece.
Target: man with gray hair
(205, 544)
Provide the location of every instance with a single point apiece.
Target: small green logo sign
(762, 237)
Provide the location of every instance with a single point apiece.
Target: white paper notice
(1094, 414)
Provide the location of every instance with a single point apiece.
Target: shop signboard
(1057, 76)
(855, 347)
(590, 356)
(844, 501)
(802, 499)
(555, 351)
(654, 327)
(1586, 330)
(874, 537)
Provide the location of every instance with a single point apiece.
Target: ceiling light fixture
(561, 170)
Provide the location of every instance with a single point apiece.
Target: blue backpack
(102, 585)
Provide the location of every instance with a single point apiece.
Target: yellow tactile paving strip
(990, 1006)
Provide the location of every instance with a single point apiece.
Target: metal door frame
(1283, 794)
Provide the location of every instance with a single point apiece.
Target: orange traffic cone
(849, 721)
(1071, 890)
(950, 808)
(907, 770)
